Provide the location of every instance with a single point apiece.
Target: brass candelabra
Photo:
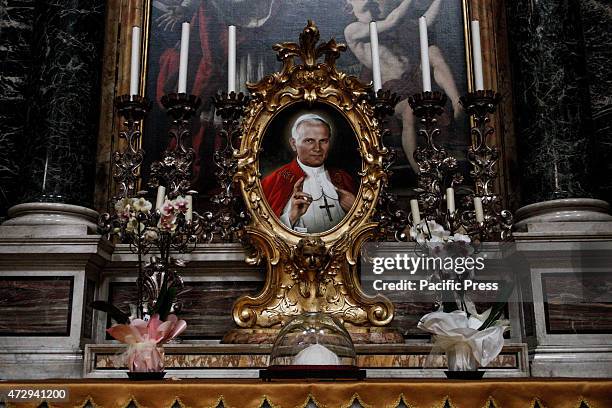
(481, 215)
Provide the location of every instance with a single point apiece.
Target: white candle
(182, 84)
(424, 54)
(135, 62)
(375, 57)
(477, 56)
(450, 199)
(161, 196)
(189, 214)
(414, 208)
(478, 209)
(231, 59)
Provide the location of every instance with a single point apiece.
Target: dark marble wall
(16, 21)
(597, 23)
(552, 102)
(207, 308)
(67, 46)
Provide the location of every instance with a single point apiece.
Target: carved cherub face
(311, 254)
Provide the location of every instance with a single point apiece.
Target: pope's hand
(300, 201)
(346, 199)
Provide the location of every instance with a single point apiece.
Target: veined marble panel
(88, 311)
(219, 356)
(35, 306)
(577, 303)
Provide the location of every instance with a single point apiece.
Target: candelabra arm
(437, 168)
(494, 222)
(228, 215)
(391, 218)
(174, 171)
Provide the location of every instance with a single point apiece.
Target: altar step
(244, 361)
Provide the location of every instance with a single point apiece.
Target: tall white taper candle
(477, 56)
(424, 54)
(189, 214)
(450, 199)
(161, 197)
(375, 57)
(182, 84)
(414, 209)
(478, 209)
(135, 62)
(231, 59)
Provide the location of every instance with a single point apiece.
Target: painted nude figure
(399, 56)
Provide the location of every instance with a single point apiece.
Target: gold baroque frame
(311, 272)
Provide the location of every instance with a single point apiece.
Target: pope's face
(312, 144)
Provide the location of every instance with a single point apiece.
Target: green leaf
(164, 302)
(497, 310)
(113, 311)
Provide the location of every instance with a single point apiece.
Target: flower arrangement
(144, 340)
(145, 337)
(170, 211)
(135, 216)
(432, 236)
(468, 338)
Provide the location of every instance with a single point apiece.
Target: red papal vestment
(278, 185)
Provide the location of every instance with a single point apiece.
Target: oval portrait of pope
(309, 166)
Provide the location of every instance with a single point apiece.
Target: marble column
(552, 99)
(597, 23)
(16, 21)
(63, 112)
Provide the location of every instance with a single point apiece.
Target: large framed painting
(263, 23)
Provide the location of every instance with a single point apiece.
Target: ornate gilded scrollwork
(311, 272)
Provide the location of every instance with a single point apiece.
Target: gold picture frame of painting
(310, 272)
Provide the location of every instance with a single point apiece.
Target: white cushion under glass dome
(313, 339)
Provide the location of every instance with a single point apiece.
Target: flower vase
(460, 358)
(461, 362)
(145, 361)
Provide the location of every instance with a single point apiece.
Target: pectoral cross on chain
(327, 206)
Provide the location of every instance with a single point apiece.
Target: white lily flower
(455, 331)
